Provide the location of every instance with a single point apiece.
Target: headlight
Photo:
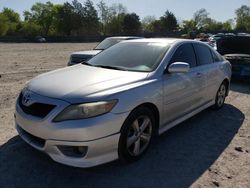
(86, 110)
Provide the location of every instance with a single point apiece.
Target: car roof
(160, 40)
(124, 37)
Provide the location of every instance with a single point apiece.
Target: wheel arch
(153, 108)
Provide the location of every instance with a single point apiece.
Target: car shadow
(240, 86)
(175, 159)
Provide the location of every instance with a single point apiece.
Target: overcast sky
(220, 10)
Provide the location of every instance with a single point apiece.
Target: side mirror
(179, 67)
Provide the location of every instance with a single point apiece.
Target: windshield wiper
(110, 67)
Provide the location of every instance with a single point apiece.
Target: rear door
(183, 92)
(209, 64)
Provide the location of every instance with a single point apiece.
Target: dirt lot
(211, 149)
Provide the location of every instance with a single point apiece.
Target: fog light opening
(73, 151)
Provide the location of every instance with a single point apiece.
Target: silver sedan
(113, 105)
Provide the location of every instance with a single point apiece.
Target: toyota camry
(112, 106)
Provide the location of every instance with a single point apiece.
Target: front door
(183, 92)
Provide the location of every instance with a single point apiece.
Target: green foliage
(147, 25)
(114, 27)
(131, 24)
(3, 24)
(90, 20)
(188, 26)
(77, 19)
(228, 25)
(9, 22)
(104, 13)
(212, 25)
(29, 29)
(41, 14)
(82, 19)
(243, 18)
(168, 22)
(203, 23)
(112, 18)
(68, 19)
(157, 26)
(201, 18)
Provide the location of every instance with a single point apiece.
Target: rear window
(203, 53)
(107, 43)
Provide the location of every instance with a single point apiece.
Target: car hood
(234, 59)
(90, 52)
(81, 82)
(237, 55)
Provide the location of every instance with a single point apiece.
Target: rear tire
(136, 135)
(220, 96)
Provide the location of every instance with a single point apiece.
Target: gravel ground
(211, 149)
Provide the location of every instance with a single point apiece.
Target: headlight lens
(86, 110)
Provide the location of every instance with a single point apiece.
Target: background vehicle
(243, 34)
(216, 37)
(40, 39)
(237, 51)
(207, 41)
(112, 106)
(81, 56)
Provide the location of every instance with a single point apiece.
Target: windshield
(132, 56)
(234, 45)
(107, 43)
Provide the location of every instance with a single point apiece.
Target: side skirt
(185, 117)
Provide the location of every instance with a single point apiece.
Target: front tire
(136, 135)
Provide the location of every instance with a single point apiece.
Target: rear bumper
(98, 151)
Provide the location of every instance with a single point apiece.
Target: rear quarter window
(216, 56)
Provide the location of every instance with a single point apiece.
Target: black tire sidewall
(123, 153)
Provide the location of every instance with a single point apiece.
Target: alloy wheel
(221, 95)
(139, 135)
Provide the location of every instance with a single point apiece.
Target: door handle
(198, 75)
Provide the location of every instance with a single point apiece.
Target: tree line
(86, 19)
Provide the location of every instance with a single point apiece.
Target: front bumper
(98, 151)
(100, 135)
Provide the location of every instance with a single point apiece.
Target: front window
(107, 43)
(132, 56)
(185, 53)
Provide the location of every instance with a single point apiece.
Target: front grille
(36, 109)
(39, 142)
